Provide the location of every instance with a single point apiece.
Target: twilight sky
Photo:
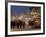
(18, 10)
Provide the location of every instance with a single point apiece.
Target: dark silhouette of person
(12, 24)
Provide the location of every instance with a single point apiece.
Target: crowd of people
(22, 24)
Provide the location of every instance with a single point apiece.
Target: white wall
(2, 18)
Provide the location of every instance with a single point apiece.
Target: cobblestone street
(28, 28)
